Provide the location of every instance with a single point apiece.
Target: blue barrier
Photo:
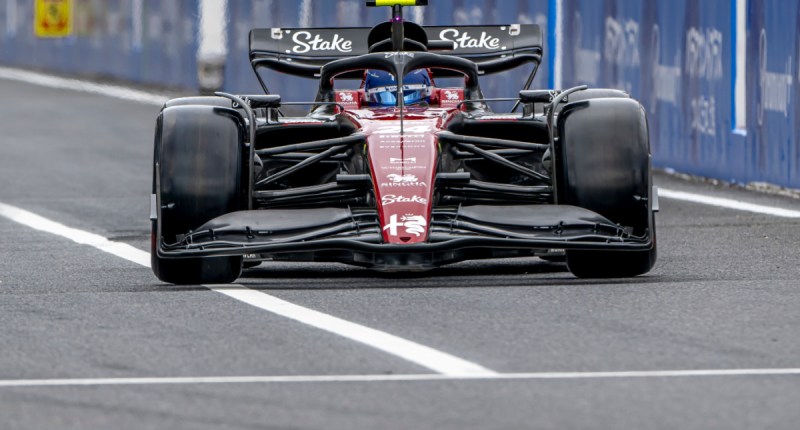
(674, 56)
(142, 41)
(678, 58)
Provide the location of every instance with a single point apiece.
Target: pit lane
(723, 296)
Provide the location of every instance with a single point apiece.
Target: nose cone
(403, 169)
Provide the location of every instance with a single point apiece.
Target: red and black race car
(405, 176)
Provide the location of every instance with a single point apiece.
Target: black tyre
(603, 164)
(199, 167)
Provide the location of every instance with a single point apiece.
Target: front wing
(355, 237)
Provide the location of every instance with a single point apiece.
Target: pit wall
(719, 79)
(150, 42)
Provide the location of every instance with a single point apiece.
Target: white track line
(430, 358)
(10, 383)
(51, 81)
(437, 361)
(727, 203)
(40, 223)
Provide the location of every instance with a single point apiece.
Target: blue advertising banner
(662, 72)
(672, 56)
(143, 41)
(771, 86)
(794, 178)
(707, 98)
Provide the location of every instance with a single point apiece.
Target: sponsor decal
(410, 160)
(394, 177)
(586, 59)
(405, 138)
(395, 129)
(451, 95)
(405, 145)
(465, 40)
(412, 224)
(394, 54)
(348, 98)
(407, 180)
(704, 114)
(704, 52)
(305, 43)
(622, 42)
(390, 199)
(666, 77)
(775, 87)
(404, 167)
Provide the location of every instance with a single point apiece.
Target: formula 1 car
(377, 178)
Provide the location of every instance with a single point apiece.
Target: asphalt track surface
(709, 339)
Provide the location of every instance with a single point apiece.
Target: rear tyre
(197, 176)
(603, 164)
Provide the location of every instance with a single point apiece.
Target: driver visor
(387, 96)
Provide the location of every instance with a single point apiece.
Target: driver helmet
(380, 88)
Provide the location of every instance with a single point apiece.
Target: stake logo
(465, 40)
(390, 199)
(304, 43)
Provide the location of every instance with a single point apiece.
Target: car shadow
(495, 273)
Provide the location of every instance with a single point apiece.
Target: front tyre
(197, 176)
(603, 164)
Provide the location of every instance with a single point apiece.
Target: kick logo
(413, 224)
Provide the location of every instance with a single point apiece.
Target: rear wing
(302, 51)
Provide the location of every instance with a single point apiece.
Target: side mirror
(538, 96)
(264, 101)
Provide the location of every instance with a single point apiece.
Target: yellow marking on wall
(52, 18)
